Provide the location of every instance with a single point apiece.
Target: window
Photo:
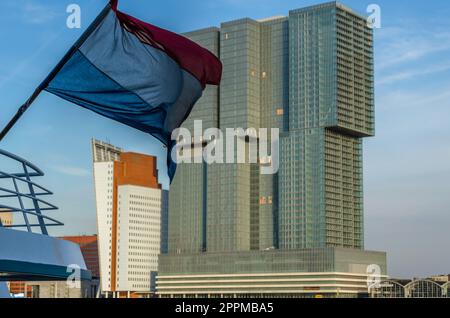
(35, 292)
(280, 111)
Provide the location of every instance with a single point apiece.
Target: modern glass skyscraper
(311, 76)
(331, 107)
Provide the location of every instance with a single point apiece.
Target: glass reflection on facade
(310, 75)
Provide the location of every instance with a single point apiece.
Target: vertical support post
(19, 197)
(35, 202)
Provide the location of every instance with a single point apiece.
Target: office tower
(104, 151)
(221, 207)
(330, 109)
(310, 75)
(128, 197)
(187, 209)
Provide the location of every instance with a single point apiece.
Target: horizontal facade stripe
(165, 282)
(264, 292)
(264, 283)
(263, 286)
(267, 274)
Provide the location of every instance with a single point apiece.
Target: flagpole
(55, 71)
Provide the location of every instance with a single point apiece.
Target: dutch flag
(138, 74)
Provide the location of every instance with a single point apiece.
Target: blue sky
(406, 167)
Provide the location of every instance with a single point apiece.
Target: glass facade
(330, 109)
(300, 273)
(311, 76)
(188, 193)
(273, 261)
(232, 207)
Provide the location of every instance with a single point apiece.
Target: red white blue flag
(138, 74)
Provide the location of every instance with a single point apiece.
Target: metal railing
(28, 202)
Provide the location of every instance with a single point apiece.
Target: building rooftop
(276, 17)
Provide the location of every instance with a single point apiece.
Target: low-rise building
(71, 288)
(433, 287)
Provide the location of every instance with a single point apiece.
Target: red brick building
(89, 249)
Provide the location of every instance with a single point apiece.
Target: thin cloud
(405, 47)
(23, 65)
(37, 13)
(411, 74)
(419, 99)
(73, 171)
